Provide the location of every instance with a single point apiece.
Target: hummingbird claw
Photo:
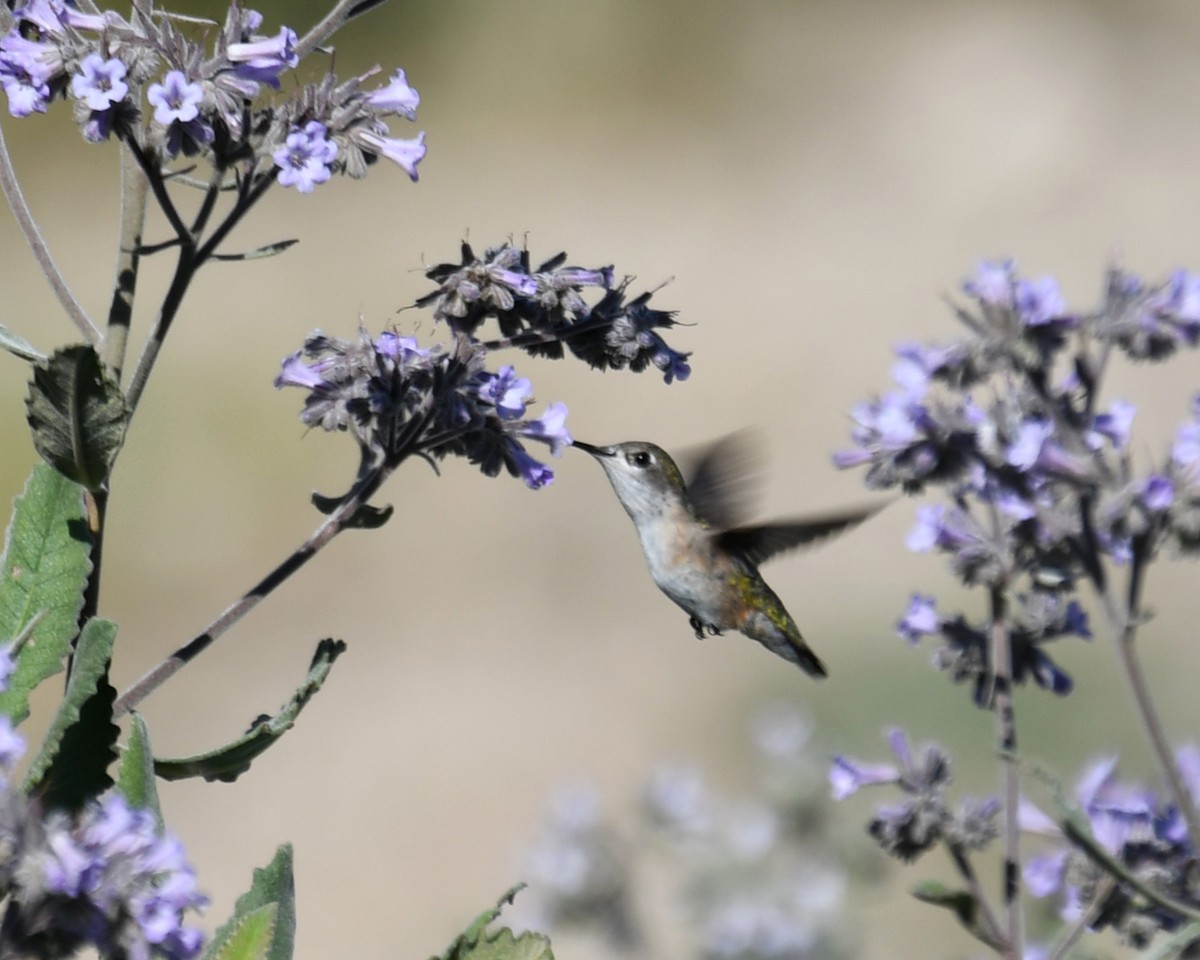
(697, 626)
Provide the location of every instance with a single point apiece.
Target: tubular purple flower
(1157, 493)
(305, 157)
(262, 60)
(297, 373)
(1038, 302)
(505, 391)
(550, 428)
(535, 474)
(397, 97)
(920, 619)
(404, 153)
(993, 282)
(26, 69)
(1116, 425)
(12, 745)
(100, 83)
(848, 776)
(176, 98)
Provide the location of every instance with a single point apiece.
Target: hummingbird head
(645, 478)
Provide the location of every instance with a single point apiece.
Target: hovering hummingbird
(698, 552)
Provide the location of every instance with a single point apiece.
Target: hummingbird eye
(641, 459)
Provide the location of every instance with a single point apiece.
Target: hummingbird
(699, 553)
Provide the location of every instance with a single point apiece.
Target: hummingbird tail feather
(808, 661)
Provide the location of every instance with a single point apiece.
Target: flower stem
(134, 192)
(33, 237)
(334, 524)
(1006, 734)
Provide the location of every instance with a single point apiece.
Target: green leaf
(263, 925)
(135, 774)
(961, 903)
(72, 765)
(19, 346)
(78, 415)
(45, 568)
(229, 762)
(476, 943)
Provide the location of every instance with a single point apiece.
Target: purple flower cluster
(965, 654)
(925, 818)
(1137, 827)
(1038, 467)
(543, 309)
(203, 101)
(399, 399)
(104, 877)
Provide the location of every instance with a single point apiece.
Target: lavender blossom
(304, 159)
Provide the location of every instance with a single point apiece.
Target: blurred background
(813, 178)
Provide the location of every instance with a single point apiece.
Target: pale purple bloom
(26, 69)
(1039, 301)
(262, 60)
(535, 474)
(8, 663)
(305, 157)
(920, 619)
(550, 428)
(397, 97)
(939, 526)
(1158, 493)
(1116, 424)
(405, 153)
(1024, 451)
(176, 98)
(848, 776)
(993, 282)
(100, 83)
(297, 373)
(505, 391)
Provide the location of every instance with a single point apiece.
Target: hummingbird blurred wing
(760, 543)
(722, 480)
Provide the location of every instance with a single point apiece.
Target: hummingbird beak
(594, 451)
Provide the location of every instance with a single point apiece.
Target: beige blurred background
(815, 177)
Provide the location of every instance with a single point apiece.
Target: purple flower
(550, 428)
(1116, 425)
(12, 745)
(920, 619)
(937, 526)
(397, 97)
(100, 83)
(175, 99)
(505, 391)
(848, 776)
(1039, 302)
(405, 153)
(262, 59)
(1157, 493)
(535, 474)
(305, 157)
(993, 282)
(26, 69)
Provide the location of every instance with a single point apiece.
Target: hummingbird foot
(704, 629)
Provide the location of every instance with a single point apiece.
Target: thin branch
(1006, 734)
(330, 24)
(987, 915)
(134, 189)
(334, 524)
(33, 237)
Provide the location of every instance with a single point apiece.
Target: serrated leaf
(961, 903)
(72, 764)
(263, 925)
(46, 564)
(19, 346)
(504, 945)
(476, 943)
(135, 774)
(251, 938)
(229, 762)
(78, 415)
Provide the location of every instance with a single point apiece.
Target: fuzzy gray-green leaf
(135, 774)
(263, 925)
(229, 762)
(72, 764)
(46, 563)
(78, 415)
